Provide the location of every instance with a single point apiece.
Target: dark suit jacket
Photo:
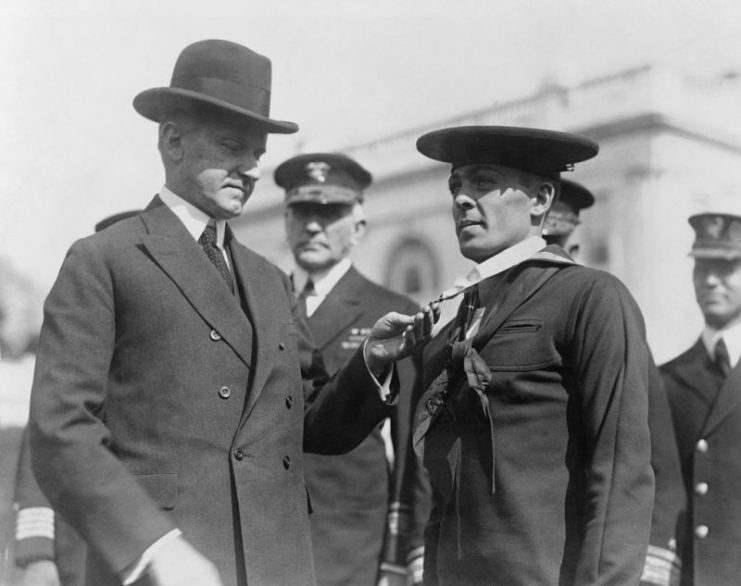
(161, 401)
(544, 477)
(67, 549)
(707, 421)
(351, 493)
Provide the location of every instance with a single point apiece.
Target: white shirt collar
(731, 336)
(194, 219)
(325, 281)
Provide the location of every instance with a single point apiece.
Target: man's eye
(232, 146)
(454, 187)
(485, 183)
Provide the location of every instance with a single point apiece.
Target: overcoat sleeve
(70, 442)
(612, 377)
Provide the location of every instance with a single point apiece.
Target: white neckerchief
(194, 219)
(731, 336)
(495, 265)
(324, 282)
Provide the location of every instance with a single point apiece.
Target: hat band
(322, 194)
(249, 97)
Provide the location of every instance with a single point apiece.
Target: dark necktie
(722, 360)
(305, 292)
(469, 305)
(208, 243)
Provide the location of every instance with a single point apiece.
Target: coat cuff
(34, 535)
(662, 567)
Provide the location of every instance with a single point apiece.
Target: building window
(413, 270)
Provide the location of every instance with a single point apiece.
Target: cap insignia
(318, 171)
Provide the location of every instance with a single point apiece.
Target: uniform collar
(324, 281)
(731, 336)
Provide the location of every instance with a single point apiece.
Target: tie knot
(209, 233)
(308, 288)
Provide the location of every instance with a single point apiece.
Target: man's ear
(171, 141)
(359, 231)
(543, 199)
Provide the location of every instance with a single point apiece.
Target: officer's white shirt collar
(194, 219)
(324, 282)
(731, 336)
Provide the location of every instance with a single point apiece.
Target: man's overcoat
(707, 420)
(542, 475)
(351, 493)
(161, 401)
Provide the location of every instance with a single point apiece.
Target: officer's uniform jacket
(162, 401)
(707, 421)
(538, 448)
(353, 494)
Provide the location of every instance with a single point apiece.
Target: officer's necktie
(722, 360)
(305, 292)
(214, 254)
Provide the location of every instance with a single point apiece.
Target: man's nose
(313, 225)
(250, 169)
(463, 200)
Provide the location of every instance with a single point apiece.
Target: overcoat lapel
(179, 255)
(264, 311)
(728, 400)
(344, 301)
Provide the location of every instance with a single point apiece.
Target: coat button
(702, 446)
(215, 336)
(286, 462)
(701, 488)
(225, 393)
(289, 401)
(701, 531)
(281, 346)
(239, 454)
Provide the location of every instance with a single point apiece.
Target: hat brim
(715, 253)
(528, 149)
(157, 102)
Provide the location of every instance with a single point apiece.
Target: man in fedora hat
(168, 415)
(533, 425)
(355, 497)
(704, 387)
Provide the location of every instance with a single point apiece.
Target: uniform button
(225, 393)
(239, 454)
(215, 336)
(701, 531)
(281, 346)
(701, 488)
(702, 446)
(286, 462)
(289, 401)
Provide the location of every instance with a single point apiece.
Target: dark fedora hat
(221, 75)
(545, 152)
(322, 178)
